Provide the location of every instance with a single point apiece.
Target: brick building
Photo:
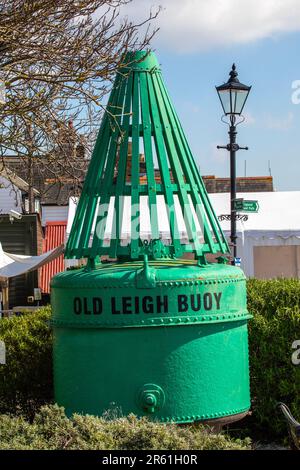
(251, 184)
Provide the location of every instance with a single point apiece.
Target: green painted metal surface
(150, 333)
(186, 336)
(141, 119)
(243, 205)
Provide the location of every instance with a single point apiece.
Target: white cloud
(193, 25)
(191, 107)
(249, 119)
(282, 124)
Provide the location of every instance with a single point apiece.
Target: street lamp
(233, 96)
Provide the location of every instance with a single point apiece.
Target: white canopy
(278, 214)
(13, 265)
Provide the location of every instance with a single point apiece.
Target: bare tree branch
(58, 59)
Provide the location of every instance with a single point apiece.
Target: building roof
(244, 184)
(58, 192)
(15, 179)
(55, 184)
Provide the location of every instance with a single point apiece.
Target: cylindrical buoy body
(168, 341)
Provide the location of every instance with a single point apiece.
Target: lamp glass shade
(233, 94)
(233, 100)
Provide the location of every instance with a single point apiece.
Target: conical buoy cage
(148, 325)
(143, 182)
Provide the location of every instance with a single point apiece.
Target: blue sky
(196, 53)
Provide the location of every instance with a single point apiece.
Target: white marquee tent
(12, 265)
(276, 224)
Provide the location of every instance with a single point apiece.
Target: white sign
(296, 354)
(37, 293)
(2, 92)
(2, 353)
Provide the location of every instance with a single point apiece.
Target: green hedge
(26, 380)
(275, 305)
(51, 429)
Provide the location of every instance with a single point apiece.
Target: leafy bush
(51, 429)
(26, 378)
(275, 305)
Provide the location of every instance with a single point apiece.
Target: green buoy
(149, 331)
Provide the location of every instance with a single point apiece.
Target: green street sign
(243, 205)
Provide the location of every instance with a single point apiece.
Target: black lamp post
(233, 96)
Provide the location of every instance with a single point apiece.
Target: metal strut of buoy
(155, 329)
(141, 123)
